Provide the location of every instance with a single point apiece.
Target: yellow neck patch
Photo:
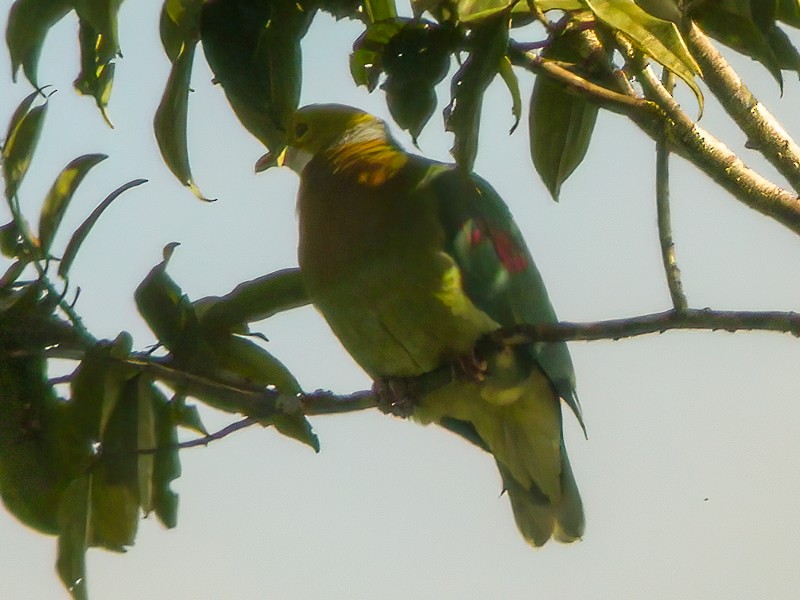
(371, 161)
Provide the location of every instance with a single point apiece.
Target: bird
(412, 262)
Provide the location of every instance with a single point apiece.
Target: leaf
(476, 11)
(115, 476)
(81, 232)
(11, 240)
(30, 472)
(380, 10)
(256, 365)
(735, 25)
(512, 83)
(253, 48)
(60, 194)
(415, 59)
(147, 397)
(73, 539)
(788, 11)
(12, 274)
(28, 24)
(23, 134)
(179, 25)
(253, 300)
(165, 308)
(657, 38)
(560, 125)
(170, 119)
(462, 116)
(97, 38)
(166, 465)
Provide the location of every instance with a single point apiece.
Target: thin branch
(202, 441)
(615, 329)
(763, 131)
(668, 257)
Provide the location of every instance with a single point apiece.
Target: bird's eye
(300, 130)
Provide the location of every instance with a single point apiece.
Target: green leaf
(170, 119)
(415, 55)
(147, 397)
(167, 465)
(788, 11)
(20, 143)
(81, 232)
(560, 122)
(31, 481)
(28, 24)
(73, 539)
(11, 240)
(253, 363)
(415, 59)
(253, 300)
(753, 34)
(512, 83)
(99, 46)
(12, 274)
(475, 11)
(560, 125)
(179, 25)
(57, 200)
(380, 10)
(165, 308)
(462, 116)
(668, 10)
(187, 415)
(253, 48)
(655, 37)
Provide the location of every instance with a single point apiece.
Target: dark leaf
(20, 143)
(28, 24)
(73, 540)
(81, 232)
(166, 465)
(253, 48)
(99, 45)
(168, 312)
(489, 41)
(170, 119)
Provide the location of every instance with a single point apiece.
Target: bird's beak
(271, 159)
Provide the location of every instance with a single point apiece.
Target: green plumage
(412, 261)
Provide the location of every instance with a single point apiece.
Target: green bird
(411, 262)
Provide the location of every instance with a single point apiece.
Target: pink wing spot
(475, 235)
(510, 254)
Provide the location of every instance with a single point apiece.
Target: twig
(763, 131)
(202, 441)
(615, 329)
(671, 270)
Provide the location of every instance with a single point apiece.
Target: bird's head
(320, 127)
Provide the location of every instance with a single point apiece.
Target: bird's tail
(537, 517)
(520, 425)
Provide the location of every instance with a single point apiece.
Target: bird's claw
(394, 396)
(472, 368)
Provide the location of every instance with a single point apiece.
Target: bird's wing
(497, 270)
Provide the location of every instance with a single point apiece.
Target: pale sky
(690, 474)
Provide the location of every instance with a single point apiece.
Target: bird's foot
(471, 367)
(394, 396)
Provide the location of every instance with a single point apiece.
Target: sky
(689, 476)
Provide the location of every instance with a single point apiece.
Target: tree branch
(763, 131)
(668, 257)
(714, 158)
(615, 329)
